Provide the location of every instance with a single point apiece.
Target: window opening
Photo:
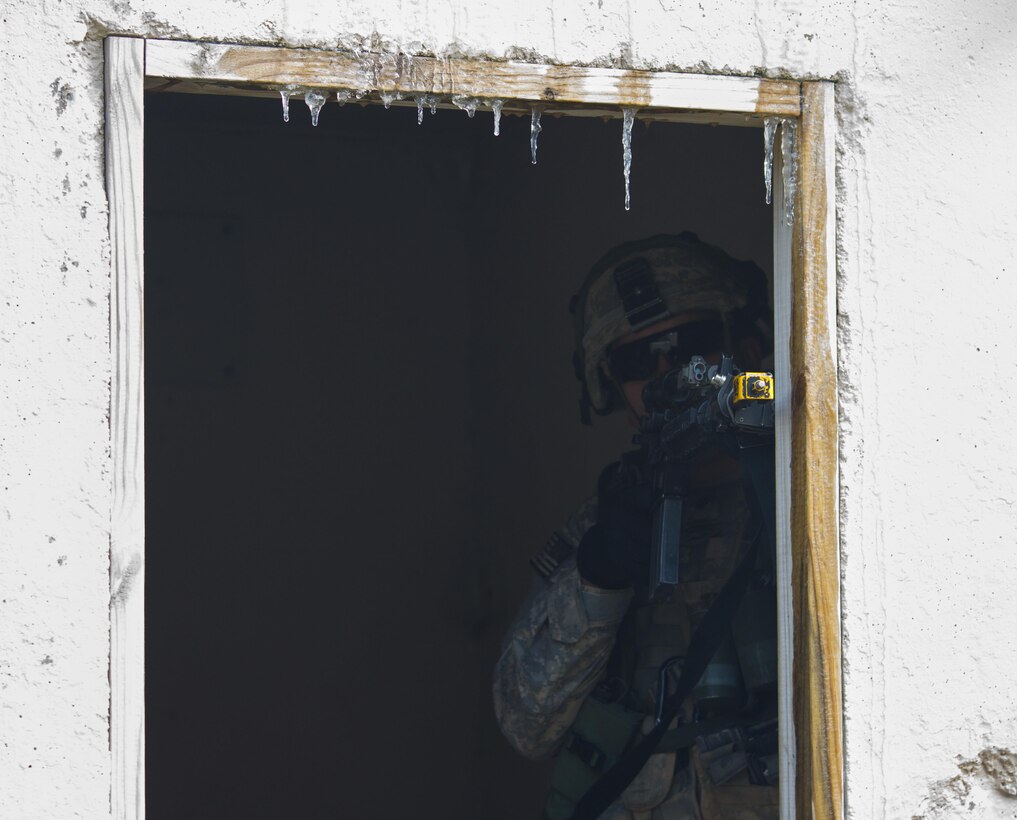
(536, 114)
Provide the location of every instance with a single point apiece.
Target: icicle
(769, 131)
(315, 100)
(369, 72)
(535, 130)
(628, 117)
(496, 108)
(789, 158)
(408, 69)
(343, 96)
(467, 104)
(286, 93)
(389, 97)
(425, 101)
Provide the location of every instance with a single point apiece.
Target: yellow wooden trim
(814, 513)
(557, 85)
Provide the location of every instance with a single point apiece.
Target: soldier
(584, 665)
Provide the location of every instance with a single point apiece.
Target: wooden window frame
(804, 311)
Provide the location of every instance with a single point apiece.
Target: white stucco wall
(927, 208)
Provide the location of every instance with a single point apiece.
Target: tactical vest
(732, 711)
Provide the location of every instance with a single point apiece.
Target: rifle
(692, 412)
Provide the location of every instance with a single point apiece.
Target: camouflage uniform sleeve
(557, 649)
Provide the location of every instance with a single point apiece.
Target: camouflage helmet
(638, 284)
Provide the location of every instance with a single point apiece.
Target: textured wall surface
(927, 223)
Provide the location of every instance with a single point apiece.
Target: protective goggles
(640, 360)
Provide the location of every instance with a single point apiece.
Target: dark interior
(361, 421)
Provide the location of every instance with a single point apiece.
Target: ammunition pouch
(745, 748)
(599, 736)
(736, 770)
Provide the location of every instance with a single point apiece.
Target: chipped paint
(984, 786)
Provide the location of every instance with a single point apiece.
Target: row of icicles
(789, 155)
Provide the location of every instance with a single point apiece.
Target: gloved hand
(615, 552)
